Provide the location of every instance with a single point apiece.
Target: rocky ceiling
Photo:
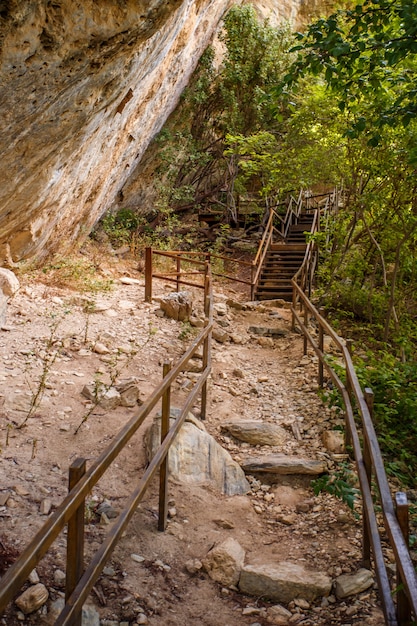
(84, 86)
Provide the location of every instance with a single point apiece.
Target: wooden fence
(80, 580)
(360, 435)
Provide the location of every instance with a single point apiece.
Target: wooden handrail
(353, 395)
(67, 511)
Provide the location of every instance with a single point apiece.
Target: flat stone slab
(256, 433)
(282, 464)
(283, 582)
(351, 584)
(263, 331)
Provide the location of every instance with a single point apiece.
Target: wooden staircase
(283, 260)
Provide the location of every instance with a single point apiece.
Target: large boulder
(195, 458)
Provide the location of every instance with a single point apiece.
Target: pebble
(137, 558)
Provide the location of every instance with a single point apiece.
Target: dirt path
(54, 344)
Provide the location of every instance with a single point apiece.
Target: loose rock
(283, 582)
(224, 562)
(351, 584)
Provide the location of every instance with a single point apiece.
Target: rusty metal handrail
(79, 587)
(369, 461)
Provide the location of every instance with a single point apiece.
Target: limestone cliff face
(84, 86)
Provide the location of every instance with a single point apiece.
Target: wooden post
(178, 272)
(403, 605)
(306, 325)
(75, 538)
(163, 471)
(148, 274)
(321, 348)
(294, 304)
(252, 284)
(207, 340)
(366, 539)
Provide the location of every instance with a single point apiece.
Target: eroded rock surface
(84, 89)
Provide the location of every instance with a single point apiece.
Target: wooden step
(287, 247)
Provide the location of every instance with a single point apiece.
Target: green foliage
(120, 226)
(76, 272)
(366, 54)
(341, 484)
(394, 385)
(230, 98)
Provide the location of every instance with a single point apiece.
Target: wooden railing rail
(71, 510)
(369, 464)
(181, 257)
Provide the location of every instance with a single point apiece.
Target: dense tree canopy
(367, 55)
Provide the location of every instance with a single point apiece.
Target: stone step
(281, 464)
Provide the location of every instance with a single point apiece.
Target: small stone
(334, 441)
(224, 562)
(109, 571)
(104, 520)
(265, 342)
(126, 280)
(34, 577)
(288, 519)
(251, 610)
(224, 523)
(172, 512)
(100, 348)
(106, 507)
(351, 584)
(221, 336)
(193, 566)
(162, 565)
(59, 578)
(303, 604)
(137, 558)
(33, 598)
(20, 490)
(45, 507)
(4, 498)
(142, 619)
(279, 614)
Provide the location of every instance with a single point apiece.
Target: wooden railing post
(75, 538)
(348, 385)
(403, 604)
(366, 539)
(148, 274)
(305, 324)
(163, 471)
(207, 340)
(178, 272)
(252, 283)
(321, 348)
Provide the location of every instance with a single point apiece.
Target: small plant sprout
(47, 357)
(339, 484)
(117, 364)
(89, 308)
